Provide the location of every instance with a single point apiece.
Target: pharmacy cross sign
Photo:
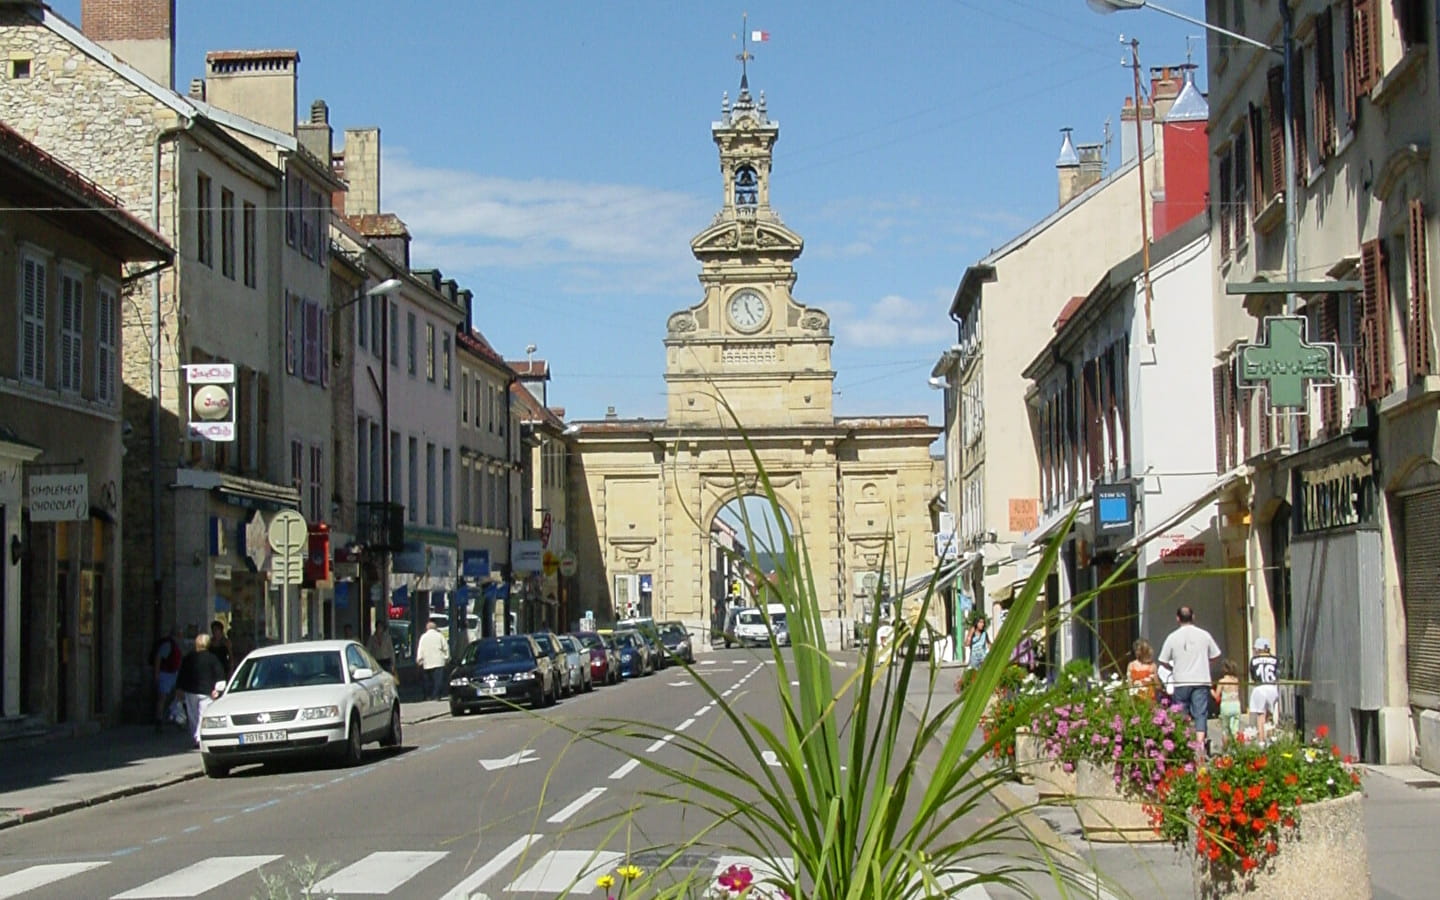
(1285, 362)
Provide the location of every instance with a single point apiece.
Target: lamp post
(1286, 51)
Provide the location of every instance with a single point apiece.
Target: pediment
(734, 236)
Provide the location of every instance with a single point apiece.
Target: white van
(745, 626)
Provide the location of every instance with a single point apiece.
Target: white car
(316, 698)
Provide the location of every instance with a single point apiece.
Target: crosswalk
(517, 870)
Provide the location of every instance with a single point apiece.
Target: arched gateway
(646, 491)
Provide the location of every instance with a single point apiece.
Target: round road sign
(288, 533)
(568, 564)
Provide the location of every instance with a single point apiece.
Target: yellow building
(645, 491)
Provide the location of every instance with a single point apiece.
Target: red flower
(1273, 813)
(1355, 777)
(1224, 787)
(1271, 847)
(1248, 862)
(1255, 790)
(735, 879)
(1335, 752)
(1322, 731)
(1292, 779)
(1288, 822)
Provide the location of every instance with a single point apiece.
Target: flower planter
(1106, 813)
(1028, 750)
(1322, 857)
(1034, 766)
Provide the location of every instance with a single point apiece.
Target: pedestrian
(220, 646)
(165, 659)
(977, 641)
(1142, 672)
(200, 678)
(1227, 694)
(1186, 655)
(431, 654)
(383, 648)
(1265, 689)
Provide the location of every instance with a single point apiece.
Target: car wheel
(589, 684)
(214, 769)
(727, 643)
(396, 734)
(351, 752)
(456, 709)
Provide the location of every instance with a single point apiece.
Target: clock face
(747, 310)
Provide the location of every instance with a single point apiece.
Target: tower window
(19, 68)
(747, 187)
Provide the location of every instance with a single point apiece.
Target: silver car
(579, 659)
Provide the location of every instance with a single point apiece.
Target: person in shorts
(1264, 688)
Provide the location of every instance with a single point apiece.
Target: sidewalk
(1402, 817)
(40, 778)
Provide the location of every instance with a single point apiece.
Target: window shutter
(1232, 418)
(290, 326)
(1375, 330)
(324, 348)
(1330, 422)
(1241, 195)
(1217, 386)
(1422, 361)
(1325, 85)
(262, 426)
(1266, 419)
(1257, 160)
(1276, 113)
(1226, 205)
(32, 321)
(1367, 45)
(1297, 124)
(105, 347)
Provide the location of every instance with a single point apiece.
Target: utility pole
(1144, 195)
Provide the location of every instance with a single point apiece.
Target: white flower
(1330, 781)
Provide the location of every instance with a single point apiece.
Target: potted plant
(1018, 694)
(1279, 819)
(1050, 744)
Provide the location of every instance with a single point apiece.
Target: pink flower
(736, 879)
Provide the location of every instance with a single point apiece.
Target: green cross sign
(1285, 362)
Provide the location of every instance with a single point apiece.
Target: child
(1264, 690)
(1227, 693)
(1141, 670)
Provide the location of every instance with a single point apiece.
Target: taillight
(597, 653)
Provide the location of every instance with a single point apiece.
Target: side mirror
(361, 673)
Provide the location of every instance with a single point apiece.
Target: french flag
(759, 37)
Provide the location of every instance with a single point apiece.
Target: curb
(23, 816)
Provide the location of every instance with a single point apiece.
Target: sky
(556, 158)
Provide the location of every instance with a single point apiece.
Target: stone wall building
(62, 436)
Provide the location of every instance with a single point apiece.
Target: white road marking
(660, 743)
(466, 889)
(565, 871)
(39, 876)
(681, 683)
(379, 873)
(575, 806)
(196, 879)
(707, 662)
(770, 758)
(727, 692)
(685, 724)
(703, 710)
(794, 684)
(505, 762)
(624, 770)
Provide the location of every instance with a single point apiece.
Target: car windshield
(498, 650)
(590, 641)
(674, 630)
(628, 639)
(287, 670)
(749, 617)
(777, 619)
(568, 644)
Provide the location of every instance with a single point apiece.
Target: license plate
(491, 691)
(262, 737)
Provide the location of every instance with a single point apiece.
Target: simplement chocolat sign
(59, 498)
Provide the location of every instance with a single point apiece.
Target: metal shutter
(1422, 597)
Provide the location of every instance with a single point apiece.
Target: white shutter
(1422, 597)
(71, 330)
(105, 347)
(32, 320)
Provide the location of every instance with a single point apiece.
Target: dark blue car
(500, 671)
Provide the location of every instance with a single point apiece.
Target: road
(495, 805)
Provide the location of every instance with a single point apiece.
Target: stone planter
(1028, 749)
(1106, 814)
(1052, 783)
(1323, 857)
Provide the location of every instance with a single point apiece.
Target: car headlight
(628, 654)
(320, 712)
(524, 676)
(459, 682)
(214, 722)
(684, 645)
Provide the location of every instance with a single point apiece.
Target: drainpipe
(155, 380)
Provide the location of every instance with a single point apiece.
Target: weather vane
(746, 36)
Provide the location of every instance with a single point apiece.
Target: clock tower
(748, 340)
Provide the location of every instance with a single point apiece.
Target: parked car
(550, 646)
(578, 659)
(635, 658)
(746, 627)
(604, 657)
(676, 638)
(316, 698)
(501, 671)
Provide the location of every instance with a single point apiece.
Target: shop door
(1421, 589)
(1117, 620)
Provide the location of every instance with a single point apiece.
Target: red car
(604, 661)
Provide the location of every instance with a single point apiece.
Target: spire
(1068, 156)
(1190, 105)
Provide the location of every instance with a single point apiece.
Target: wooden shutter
(1330, 411)
(1240, 207)
(1275, 111)
(1266, 428)
(1297, 122)
(1227, 210)
(1375, 323)
(1352, 92)
(1422, 360)
(1217, 399)
(1258, 194)
(1324, 85)
(1367, 45)
(262, 424)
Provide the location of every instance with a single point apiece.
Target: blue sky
(555, 157)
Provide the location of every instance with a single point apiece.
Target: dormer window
(747, 187)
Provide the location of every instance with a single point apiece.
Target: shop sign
(222, 572)
(1338, 495)
(945, 547)
(1024, 514)
(545, 526)
(317, 560)
(475, 563)
(442, 562)
(254, 541)
(1286, 363)
(411, 560)
(1178, 550)
(211, 388)
(59, 498)
(1114, 509)
(525, 557)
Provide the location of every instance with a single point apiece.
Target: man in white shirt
(1186, 655)
(431, 654)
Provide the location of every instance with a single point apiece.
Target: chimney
(1127, 129)
(362, 171)
(316, 136)
(1183, 139)
(257, 84)
(610, 414)
(197, 88)
(1165, 85)
(141, 32)
(467, 298)
(1067, 167)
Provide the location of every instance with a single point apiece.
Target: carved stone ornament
(814, 320)
(681, 322)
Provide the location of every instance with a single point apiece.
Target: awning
(1046, 530)
(919, 583)
(1206, 497)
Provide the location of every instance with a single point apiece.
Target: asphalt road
(494, 805)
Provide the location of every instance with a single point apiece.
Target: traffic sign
(287, 568)
(568, 564)
(288, 533)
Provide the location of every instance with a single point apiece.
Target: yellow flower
(605, 881)
(629, 872)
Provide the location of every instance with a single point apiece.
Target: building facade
(62, 436)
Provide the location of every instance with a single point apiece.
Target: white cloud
(890, 321)
(466, 221)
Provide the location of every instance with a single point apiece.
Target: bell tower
(748, 340)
